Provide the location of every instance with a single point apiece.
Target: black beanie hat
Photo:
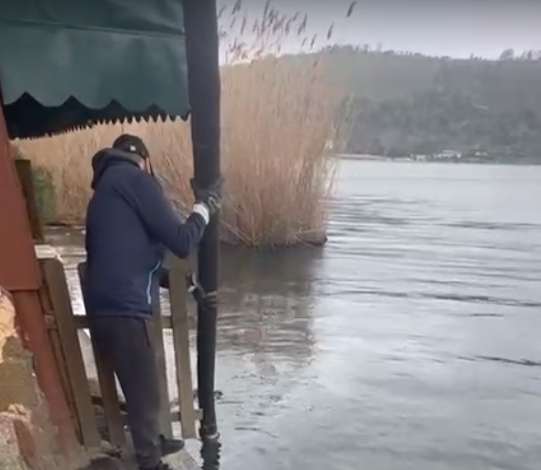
(131, 144)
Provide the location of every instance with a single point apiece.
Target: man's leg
(126, 341)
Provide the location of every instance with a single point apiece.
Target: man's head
(134, 145)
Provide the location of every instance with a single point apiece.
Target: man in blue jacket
(130, 223)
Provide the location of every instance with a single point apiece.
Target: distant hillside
(410, 104)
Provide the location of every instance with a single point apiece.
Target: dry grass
(277, 116)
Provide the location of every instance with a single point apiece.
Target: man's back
(128, 223)
(121, 257)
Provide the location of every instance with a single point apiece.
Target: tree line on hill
(404, 104)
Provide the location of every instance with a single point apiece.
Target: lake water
(411, 341)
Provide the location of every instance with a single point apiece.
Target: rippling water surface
(411, 341)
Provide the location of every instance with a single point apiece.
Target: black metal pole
(202, 44)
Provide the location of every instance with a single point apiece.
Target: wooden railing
(64, 326)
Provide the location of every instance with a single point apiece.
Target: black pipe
(202, 47)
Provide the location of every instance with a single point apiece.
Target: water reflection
(267, 302)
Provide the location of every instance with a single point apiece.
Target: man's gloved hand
(203, 299)
(208, 300)
(210, 195)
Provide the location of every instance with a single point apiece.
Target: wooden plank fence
(64, 329)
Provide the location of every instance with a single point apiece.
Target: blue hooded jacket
(129, 225)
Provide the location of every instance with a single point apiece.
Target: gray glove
(210, 196)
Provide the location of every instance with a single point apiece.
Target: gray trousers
(126, 341)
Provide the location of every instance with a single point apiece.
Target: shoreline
(317, 242)
(461, 161)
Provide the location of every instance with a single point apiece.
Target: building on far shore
(448, 155)
(443, 155)
(329, 144)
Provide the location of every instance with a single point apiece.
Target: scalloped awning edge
(127, 60)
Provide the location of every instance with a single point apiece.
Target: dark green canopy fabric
(70, 63)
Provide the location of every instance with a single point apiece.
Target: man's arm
(146, 195)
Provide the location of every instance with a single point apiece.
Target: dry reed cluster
(277, 116)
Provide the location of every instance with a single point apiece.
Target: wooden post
(181, 339)
(26, 177)
(166, 426)
(59, 298)
(19, 274)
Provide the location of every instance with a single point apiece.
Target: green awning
(71, 63)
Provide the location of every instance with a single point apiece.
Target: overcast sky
(456, 28)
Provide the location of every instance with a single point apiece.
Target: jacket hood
(108, 157)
